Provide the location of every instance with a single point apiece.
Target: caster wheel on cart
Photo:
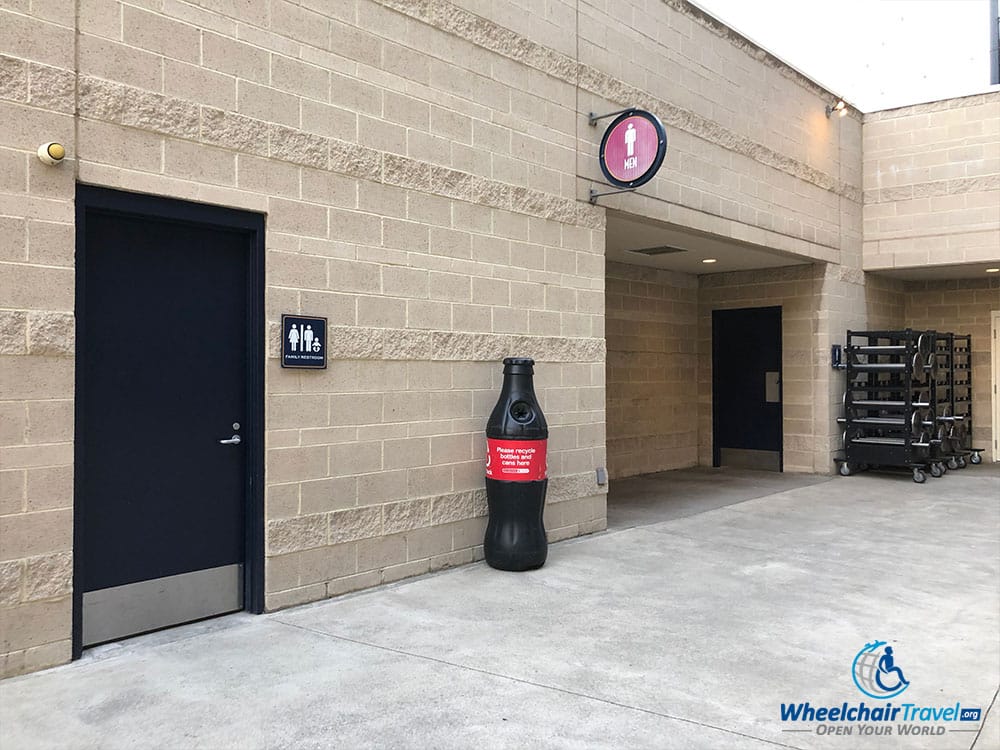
(976, 458)
(961, 462)
(919, 477)
(953, 462)
(937, 470)
(845, 469)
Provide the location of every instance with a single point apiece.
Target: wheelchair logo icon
(876, 673)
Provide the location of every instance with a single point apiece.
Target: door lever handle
(234, 440)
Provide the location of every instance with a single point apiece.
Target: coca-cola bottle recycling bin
(516, 440)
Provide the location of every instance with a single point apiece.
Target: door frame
(114, 202)
(716, 451)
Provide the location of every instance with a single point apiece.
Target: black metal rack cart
(961, 424)
(944, 448)
(889, 416)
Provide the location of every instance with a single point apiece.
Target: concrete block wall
(419, 191)
(652, 393)
(963, 306)
(36, 338)
(932, 184)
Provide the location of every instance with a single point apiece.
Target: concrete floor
(679, 633)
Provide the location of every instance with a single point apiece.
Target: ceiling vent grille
(662, 250)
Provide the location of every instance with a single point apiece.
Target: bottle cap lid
(519, 361)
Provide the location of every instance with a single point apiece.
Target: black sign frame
(661, 150)
(288, 357)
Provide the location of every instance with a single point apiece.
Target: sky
(876, 54)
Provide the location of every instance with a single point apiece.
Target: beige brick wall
(963, 306)
(424, 169)
(932, 184)
(652, 395)
(36, 340)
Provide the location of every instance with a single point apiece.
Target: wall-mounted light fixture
(840, 108)
(710, 260)
(993, 270)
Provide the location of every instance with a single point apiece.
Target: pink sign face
(631, 148)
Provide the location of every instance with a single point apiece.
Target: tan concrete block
(354, 226)
(52, 88)
(354, 524)
(49, 488)
(49, 421)
(353, 583)
(375, 554)
(296, 271)
(199, 162)
(28, 534)
(327, 563)
(234, 131)
(297, 411)
(281, 501)
(381, 312)
(48, 576)
(293, 534)
(357, 458)
(51, 334)
(452, 287)
(32, 39)
(50, 243)
(446, 449)
(13, 332)
(267, 176)
(118, 62)
(13, 171)
(406, 453)
(34, 624)
(13, 239)
(361, 97)
(294, 597)
(13, 79)
(429, 480)
(28, 456)
(452, 559)
(428, 542)
(300, 24)
(267, 104)
(329, 494)
(428, 315)
(407, 515)
(235, 57)
(381, 487)
(405, 570)
(378, 134)
(28, 660)
(117, 146)
(405, 235)
(365, 408)
(12, 484)
(297, 217)
(468, 533)
(159, 34)
(11, 582)
(291, 464)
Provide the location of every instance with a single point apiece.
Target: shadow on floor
(652, 498)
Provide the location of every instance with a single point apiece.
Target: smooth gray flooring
(682, 633)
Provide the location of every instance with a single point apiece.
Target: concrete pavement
(680, 633)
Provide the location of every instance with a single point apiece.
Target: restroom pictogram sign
(303, 342)
(632, 149)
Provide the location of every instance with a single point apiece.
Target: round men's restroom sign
(632, 148)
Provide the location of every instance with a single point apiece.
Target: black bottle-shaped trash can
(516, 439)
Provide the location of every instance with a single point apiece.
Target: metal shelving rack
(889, 416)
(962, 400)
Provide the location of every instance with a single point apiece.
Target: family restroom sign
(303, 342)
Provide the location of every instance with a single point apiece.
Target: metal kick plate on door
(772, 387)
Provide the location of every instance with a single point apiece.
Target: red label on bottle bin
(516, 460)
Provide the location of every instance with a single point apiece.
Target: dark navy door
(163, 408)
(746, 388)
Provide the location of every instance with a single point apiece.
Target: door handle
(234, 440)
